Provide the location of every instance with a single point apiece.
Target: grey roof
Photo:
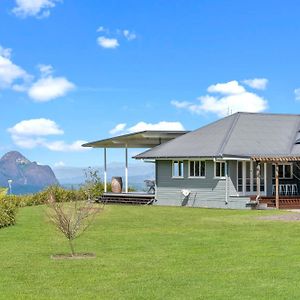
(143, 139)
(238, 135)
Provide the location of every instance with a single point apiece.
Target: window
(197, 168)
(247, 177)
(220, 169)
(177, 169)
(285, 171)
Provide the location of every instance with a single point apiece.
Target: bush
(8, 210)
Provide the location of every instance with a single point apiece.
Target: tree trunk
(72, 247)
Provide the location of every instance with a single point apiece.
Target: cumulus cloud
(49, 88)
(142, 126)
(35, 132)
(118, 128)
(110, 39)
(10, 73)
(228, 88)
(232, 98)
(297, 94)
(108, 43)
(34, 8)
(257, 83)
(130, 36)
(36, 127)
(59, 164)
(61, 146)
(45, 88)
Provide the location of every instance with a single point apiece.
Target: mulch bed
(75, 256)
(287, 217)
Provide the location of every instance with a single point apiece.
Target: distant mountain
(26, 176)
(138, 172)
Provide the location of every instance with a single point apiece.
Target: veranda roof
(143, 139)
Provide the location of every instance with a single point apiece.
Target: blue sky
(72, 70)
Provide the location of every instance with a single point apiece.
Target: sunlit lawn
(154, 253)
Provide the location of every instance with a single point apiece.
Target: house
(239, 161)
(225, 163)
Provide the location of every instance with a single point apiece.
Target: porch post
(126, 169)
(258, 180)
(226, 183)
(277, 185)
(105, 171)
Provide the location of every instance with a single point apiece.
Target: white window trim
(189, 170)
(177, 177)
(284, 164)
(215, 169)
(251, 192)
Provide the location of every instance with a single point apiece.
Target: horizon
(133, 66)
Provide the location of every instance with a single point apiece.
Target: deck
(127, 198)
(285, 202)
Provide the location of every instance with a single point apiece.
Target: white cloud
(45, 70)
(34, 133)
(257, 83)
(297, 94)
(10, 72)
(34, 8)
(59, 164)
(130, 36)
(228, 88)
(110, 39)
(142, 126)
(233, 98)
(61, 146)
(118, 128)
(36, 127)
(180, 104)
(49, 88)
(103, 29)
(46, 88)
(108, 43)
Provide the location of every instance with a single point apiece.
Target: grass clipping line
(72, 219)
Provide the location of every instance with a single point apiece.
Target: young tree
(72, 219)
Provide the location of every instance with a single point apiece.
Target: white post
(126, 169)
(226, 182)
(105, 171)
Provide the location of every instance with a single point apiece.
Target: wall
(205, 192)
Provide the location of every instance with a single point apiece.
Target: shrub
(8, 210)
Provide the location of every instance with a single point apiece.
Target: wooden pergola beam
(277, 185)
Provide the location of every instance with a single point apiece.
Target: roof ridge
(227, 136)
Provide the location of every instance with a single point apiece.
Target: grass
(154, 253)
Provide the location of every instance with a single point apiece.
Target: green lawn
(154, 253)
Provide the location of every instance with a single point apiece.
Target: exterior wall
(205, 192)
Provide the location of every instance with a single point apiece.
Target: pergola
(143, 139)
(275, 160)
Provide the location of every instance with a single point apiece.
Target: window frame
(215, 169)
(200, 162)
(178, 161)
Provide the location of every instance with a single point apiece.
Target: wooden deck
(285, 202)
(127, 198)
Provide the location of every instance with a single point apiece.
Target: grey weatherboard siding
(205, 192)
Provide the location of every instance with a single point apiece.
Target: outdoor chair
(150, 184)
(294, 189)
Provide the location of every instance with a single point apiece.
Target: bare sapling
(72, 219)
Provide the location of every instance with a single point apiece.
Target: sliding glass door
(247, 178)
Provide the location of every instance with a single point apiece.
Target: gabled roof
(143, 139)
(238, 135)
